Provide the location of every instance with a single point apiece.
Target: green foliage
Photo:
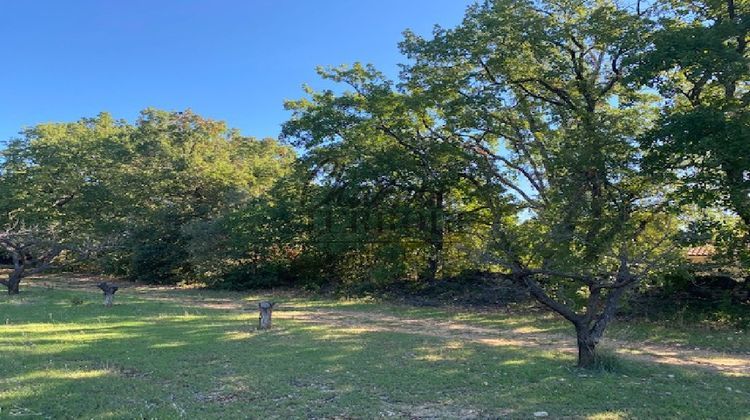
(143, 190)
(61, 174)
(543, 82)
(700, 63)
(393, 193)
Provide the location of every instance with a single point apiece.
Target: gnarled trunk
(14, 279)
(586, 349)
(590, 326)
(13, 285)
(32, 251)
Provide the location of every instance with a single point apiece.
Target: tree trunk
(586, 350)
(14, 279)
(13, 285)
(108, 298)
(437, 233)
(266, 309)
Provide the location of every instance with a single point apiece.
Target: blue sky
(232, 60)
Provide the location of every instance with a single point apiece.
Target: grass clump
(607, 361)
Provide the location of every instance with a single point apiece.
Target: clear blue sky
(235, 60)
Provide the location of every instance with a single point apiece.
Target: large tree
(187, 171)
(149, 187)
(60, 196)
(63, 173)
(536, 89)
(382, 163)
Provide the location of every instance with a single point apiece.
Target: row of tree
(573, 146)
(143, 197)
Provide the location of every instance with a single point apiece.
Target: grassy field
(162, 353)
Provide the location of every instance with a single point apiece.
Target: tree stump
(264, 321)
(109, 292)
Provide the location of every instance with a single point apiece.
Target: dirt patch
(373, 321)
(454, 330)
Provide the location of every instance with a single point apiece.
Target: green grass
(673, 332)
(63, 355)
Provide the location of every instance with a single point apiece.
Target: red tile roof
(701, 251)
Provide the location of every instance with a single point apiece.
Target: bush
(158, 263)
(713, 300)
(244, 277)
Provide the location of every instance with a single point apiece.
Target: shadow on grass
(157, 358)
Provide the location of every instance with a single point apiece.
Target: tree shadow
(158, 358)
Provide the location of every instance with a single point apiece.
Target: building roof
(701, 251)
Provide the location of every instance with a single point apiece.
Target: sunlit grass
(689, 336)
(61, 374)
(612, 415)
(163, 354)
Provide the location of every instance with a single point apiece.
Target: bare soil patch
(373, 321)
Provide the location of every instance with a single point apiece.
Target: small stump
(109, 292)
(264, 321)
